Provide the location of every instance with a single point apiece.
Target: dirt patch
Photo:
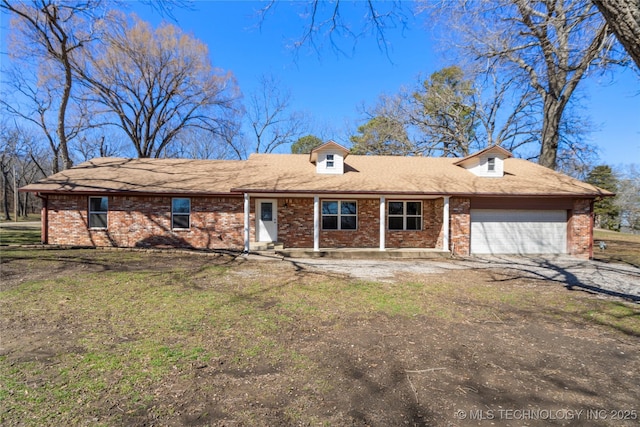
(221, 341)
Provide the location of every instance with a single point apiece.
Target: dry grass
(122, 338)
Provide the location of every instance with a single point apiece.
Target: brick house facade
(365, 202)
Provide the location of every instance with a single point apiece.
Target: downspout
(44, 219)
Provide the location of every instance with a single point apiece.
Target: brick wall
(580, 229)
(216, 223)
(367, 234)
(431, 231)
(295, 227)
(460, 226)
(295, 222)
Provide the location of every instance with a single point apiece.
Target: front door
(267, 214)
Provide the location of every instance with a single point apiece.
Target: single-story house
(485, 203)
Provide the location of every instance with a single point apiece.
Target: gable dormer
(329, 158)
(486, 163)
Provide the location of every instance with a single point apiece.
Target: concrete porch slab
(365, 253)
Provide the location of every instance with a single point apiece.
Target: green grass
(19, 236)
(621, 247)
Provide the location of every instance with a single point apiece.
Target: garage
(513, 231)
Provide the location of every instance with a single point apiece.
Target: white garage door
(498, 231)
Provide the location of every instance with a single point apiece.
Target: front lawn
(93, 337)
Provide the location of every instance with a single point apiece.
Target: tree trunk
(623, 17)
(66, 94)
(5, 193)
(550, 132)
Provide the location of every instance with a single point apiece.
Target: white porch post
(445, 224)
(246, 222)
(383, 210)
(316, 223)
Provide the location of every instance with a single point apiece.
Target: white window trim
(339, 215)
(98, 212)
(180, 214)
(330, 161)
(404, 215)
(491, 164)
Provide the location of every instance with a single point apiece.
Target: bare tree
(37, 102)
(270, 118)
(19, 162)
(455, 112)
(325, 21)
(550, 45)
(54, 31)
(628, 197)
(623, 16)
(154, 84)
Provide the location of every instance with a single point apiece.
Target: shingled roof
(293, 173)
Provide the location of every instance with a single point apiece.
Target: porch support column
(316, 223)
(246, 223)
(445, 224)
(383, 210)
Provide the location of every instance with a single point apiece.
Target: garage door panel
(518, 231)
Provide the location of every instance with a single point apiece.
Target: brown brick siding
(428, 237)
(580, 229)
(295, 227)
(460, 226)
(216, 223)
(367, 234)
(295, 222)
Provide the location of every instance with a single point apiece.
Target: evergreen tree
(606, 211)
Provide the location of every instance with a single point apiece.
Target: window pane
(180, 221)
(413, 223)
(395, 223)
(348, 208)
(182, 206)
(329, 222)
(330, 208)
(395, 208)
(98, 204)
(98, 221)
(413, 208)
(348, 223)
(266, 211)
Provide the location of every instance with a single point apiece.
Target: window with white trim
(180, 213)
(406, 215)
(330, 161)
(339, 215)
(98, 209)
(491, 164)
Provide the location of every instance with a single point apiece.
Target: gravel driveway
(619, 280)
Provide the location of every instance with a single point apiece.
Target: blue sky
(330, 86)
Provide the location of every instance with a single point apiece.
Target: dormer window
(486, 163)
(491, 164)
(329, 160)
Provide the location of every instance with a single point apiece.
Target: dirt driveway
(617, 280)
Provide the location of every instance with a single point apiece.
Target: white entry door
(267, 215)
(495, 231)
